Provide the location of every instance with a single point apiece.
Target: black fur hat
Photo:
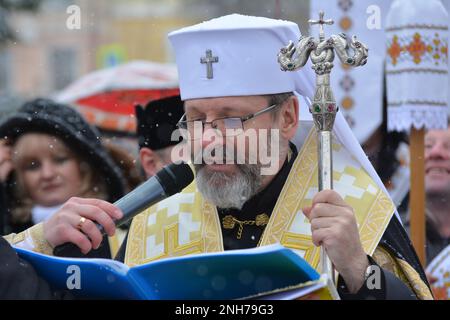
(157, 121)
(47, 116)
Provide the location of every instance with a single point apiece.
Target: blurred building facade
(46, 55)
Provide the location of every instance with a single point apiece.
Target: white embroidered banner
(417, 65)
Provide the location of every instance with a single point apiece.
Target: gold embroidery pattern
(369, 230)
(41, 245)
(136, 239)
(402, 270)
(172, 247)
(168, 227)
(292, 193)
(157, 229)
(387, 261)
(36, 233)
(212, 233)
(418, 286)
(166, 230)
(304, 243)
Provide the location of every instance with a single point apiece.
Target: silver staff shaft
(325, 160)
(324, 154)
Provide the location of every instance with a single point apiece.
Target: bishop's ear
(288, 117)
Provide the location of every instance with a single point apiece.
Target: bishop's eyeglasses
(229, 126)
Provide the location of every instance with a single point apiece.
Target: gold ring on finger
(80, 223)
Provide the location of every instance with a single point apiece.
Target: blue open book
(224, 275)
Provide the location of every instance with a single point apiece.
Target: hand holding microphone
(83, 222)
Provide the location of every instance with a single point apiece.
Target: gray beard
(229, 191)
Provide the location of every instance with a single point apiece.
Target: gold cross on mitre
(321, 22)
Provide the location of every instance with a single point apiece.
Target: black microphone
(170, 180)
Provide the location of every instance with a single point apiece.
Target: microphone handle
(138, 200)
(133, 203)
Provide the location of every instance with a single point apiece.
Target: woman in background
(53, 155)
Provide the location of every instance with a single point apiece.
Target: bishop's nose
(211, 138)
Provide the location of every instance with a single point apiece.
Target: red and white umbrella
(107, 97)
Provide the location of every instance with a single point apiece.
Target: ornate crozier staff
(323, 109)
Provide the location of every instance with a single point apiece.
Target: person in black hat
(155, 124)
(55, 155)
